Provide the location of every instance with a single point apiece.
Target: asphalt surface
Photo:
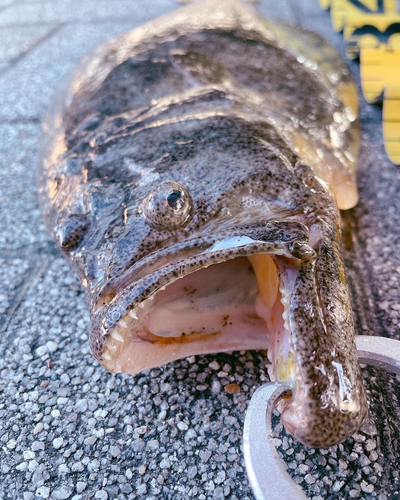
(68, 429)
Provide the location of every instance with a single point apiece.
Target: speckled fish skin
(256, 121)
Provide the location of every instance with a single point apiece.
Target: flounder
(191, 172)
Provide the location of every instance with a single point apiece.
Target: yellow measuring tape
(371, 29)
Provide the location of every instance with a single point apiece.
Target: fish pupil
(176, 199)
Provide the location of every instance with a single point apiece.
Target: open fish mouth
(217, 294)
(234, 292)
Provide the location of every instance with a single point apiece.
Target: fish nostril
(72, 231)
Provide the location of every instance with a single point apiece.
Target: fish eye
(176, 199)
(168, 206)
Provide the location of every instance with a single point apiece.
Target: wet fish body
(191, 172)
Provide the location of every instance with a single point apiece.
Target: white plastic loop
(267, 474)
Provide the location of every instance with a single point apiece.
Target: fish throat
(237, 304)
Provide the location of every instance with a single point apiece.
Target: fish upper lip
(291, 240)
(197, 241)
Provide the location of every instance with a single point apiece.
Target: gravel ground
(68, 429)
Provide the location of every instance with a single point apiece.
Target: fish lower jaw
(320, 427)
(232, 306)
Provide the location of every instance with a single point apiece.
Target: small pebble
(101, 495)
(42, 350)
(81, 405)
(90, 440)
(115, 451)
(141, 430)
(141, 490)
(80, 486)
(62, 493)
(58, 442)
(38, 428)
(232, 388)
(182, 426)
(51, 346)
(43, 492)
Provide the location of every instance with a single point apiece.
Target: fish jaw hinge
(328, 402)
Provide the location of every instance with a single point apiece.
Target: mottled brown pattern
(215, 106)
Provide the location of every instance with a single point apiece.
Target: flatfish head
(191, 172)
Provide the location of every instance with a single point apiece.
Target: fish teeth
(117, 336)
(112, 346)
(267, 277)
(106, 356)
(133, 314)
(122, 323)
